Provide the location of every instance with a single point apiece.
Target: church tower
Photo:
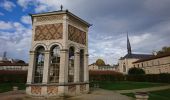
(128, 46)
(58, 64)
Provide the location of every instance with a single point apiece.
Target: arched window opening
(81, 65)
(71, 65)
(54, 64)
(39, 65)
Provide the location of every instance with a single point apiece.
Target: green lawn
(127, 85)
(156, 95)
(4, 87)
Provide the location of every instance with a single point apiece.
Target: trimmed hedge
(13, 76)
(157, 78)
(105, 76)
(96, 76)
(136, 71)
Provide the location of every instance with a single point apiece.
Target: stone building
(126, 62)
(13, 66)
(155, 64)
(58, 63)
(101, 68)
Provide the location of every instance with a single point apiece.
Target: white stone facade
(20, 67)
(101, 68)
(66, 31)
(154, 65)
(126, 64)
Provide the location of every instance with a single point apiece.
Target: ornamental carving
(76, 35)
(72, 88)
(82, 88)
(52, 90)
(48, 32)
(35, 89)
(49, 18)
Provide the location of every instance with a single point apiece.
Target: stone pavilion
(58, 64)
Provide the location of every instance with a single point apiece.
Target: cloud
(7, 5)
(24, 3)
(16, 40)
(26, 19)
(5, 25)
(41, 5)
(146, 21)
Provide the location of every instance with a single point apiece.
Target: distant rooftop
(153, 57)
(137, 56)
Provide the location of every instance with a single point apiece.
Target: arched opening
(54, 68)
(39, 65)
(71, 65)
(81, 65)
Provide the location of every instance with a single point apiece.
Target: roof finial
(61, 7)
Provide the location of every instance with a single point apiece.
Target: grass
(127, 85)
(156, 95)
(4, 87)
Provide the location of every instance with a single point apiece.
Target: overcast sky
(146, 21)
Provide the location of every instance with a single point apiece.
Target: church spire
(128, 45)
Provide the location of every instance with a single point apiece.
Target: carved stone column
(46, 67)
(77, 67)
(45, 72)
(31, 67)
(63, 75)
(86, 69)
(77, 71)
(30, 74)
(86, 72)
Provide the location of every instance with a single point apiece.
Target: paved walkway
(144, 89)
(97, 94)
(100, 94)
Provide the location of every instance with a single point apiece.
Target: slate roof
(137, 56)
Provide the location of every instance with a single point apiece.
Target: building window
(138, 65)
(142, 65)
(159, 70)
(81, 65)
(39, 65)
(54, 64)
(158, 62)
(71, 65)
(152, 63)
(124, 68)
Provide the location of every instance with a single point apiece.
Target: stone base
(52, 90)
